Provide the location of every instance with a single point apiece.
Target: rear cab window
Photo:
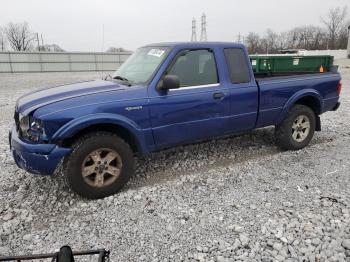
(237, 65)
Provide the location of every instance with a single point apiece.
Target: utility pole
(102, 48)
(37, 38)
(2, 35)
(204, 28)
(349, 42)
(194, 31)
(239, 37)
(42, 40)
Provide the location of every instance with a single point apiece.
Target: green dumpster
(291, 64)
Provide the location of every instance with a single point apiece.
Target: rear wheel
(297, 129)
(100, 165)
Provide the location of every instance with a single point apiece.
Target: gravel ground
(231, 199)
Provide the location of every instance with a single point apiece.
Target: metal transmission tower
(204, 28)
(194, 31)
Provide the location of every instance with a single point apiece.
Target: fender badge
(129, 108)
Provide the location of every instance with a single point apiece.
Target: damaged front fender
(40, 159)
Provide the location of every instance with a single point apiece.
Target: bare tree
(342, 42)
(310, 37)
(2, 40)
(319, 37)
(282, 41)
(19, 36)
(293, 36)
(113, 49)
(253, 42)
(269, 41)
(305, 37)
(334, 22)
(264, 46)
(50, 48)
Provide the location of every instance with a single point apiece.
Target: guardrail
(30, 62)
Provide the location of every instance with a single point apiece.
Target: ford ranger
(164, 95)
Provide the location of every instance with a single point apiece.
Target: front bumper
(36, 158)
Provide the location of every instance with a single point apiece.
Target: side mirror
(168, 82)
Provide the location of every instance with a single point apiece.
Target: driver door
(198, 109)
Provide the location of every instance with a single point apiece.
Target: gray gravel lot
(231, 199)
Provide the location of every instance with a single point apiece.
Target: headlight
(23, 123)
(32, 129)
(36, 125)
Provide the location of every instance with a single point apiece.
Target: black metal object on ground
(64, 255)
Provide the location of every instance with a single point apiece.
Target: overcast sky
(76, 25)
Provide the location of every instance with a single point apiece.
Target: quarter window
(237, 65)
(195, 67)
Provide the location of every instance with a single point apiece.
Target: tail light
(339, 88)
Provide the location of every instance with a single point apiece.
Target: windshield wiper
(124, 79)
(121, 78)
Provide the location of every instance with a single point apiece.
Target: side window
(196, 67)
(237, 65)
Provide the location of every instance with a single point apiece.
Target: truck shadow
(166, 165)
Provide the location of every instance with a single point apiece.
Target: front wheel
(99, 166)
(297, 129)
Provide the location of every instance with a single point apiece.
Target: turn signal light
(339, 88)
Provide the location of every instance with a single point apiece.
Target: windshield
(141, 65)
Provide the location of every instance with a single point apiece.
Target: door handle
(218, 95)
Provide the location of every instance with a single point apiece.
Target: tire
(99, 165)
(292, 133)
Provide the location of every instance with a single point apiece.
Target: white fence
(18, 62)
(338, 54)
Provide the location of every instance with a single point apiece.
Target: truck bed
(276, 91)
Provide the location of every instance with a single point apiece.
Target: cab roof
(196, 44)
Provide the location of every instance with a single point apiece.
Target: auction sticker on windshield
(156, 52)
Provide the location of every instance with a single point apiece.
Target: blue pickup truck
(164, 95)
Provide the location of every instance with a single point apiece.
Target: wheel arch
(310, 98)
(126, 129)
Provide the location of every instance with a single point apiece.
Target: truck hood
(42, 97)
